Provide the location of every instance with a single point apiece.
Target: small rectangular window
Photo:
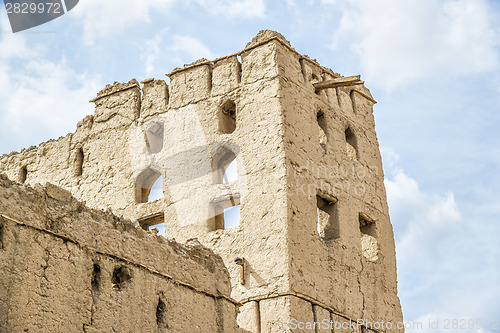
(154, 137)
(351, 144)
(23, 174)
(369, 243)
(226, 214)
(227, 117)
(322, 129)
(327, 220)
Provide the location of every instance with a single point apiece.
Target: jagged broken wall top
(68, 268)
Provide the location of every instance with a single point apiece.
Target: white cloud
(402, 41)
(192, 47)
(105, 18)
(44, 101)
(54, 88)
(152, 51)
(110, 17)
(40, 99)
(440, 249)
(14, 45)
(233, 9)
(172, 53)
(425, 218)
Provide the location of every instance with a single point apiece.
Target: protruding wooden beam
(365, 220)
(338, 82)
(146, 221)
(241, 262)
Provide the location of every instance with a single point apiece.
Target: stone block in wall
(312, 73)
(275, 314)
(331, 93)
(322, 316)
(344, 325)
(226, 75)
(363, 106)
(117, 105)
(302, 311)
(249, 317)
(259, 63)
(83, 129)
(226, 316)
(286, 314)
(154, 97)
(190, 85)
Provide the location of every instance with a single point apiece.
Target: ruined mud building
(314, 240)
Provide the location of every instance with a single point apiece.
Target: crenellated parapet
(190, 84)
(154, 97)
(268, 55)
(117, 105)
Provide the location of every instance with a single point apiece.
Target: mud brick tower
(314, 240)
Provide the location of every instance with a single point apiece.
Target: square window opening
(367, 225)
(226, 214)
(327, 217)
(369, 242)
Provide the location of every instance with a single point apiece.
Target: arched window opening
(161, 317)
(154, 137)
(79, 158)
(351, 145)
(156, 190)
(369, 243)
(231, 173)
(96, 279)
(23, 174)
(322, 129)
(227, 117)
(328, 220)
(226, 165)
(149, 186)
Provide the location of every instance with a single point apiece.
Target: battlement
(261, 59)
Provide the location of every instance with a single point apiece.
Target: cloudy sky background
(432, 65)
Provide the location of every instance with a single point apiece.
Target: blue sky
(432, 65)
